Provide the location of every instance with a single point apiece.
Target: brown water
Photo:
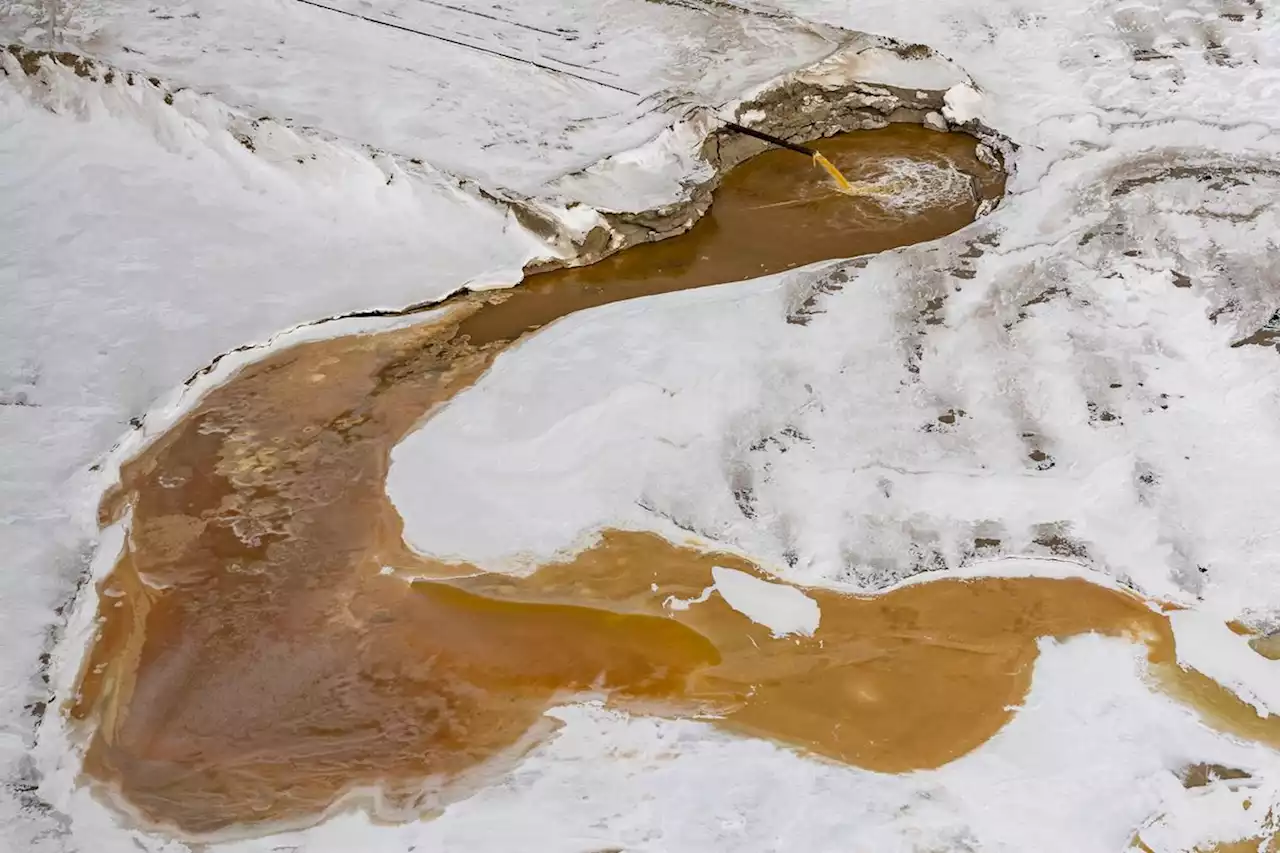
(254, 662)
(1256, 844)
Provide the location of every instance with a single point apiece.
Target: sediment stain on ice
(257, 660)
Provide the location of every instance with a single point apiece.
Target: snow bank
(1104, 414)
(458, 104)
(963, 103)
(1210, 816)
(826, 97)
(1208, 646)
(873, 62)
(1056, 568)
(656, 174)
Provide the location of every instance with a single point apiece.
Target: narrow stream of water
(255, 662)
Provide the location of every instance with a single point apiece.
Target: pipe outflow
(771, 139)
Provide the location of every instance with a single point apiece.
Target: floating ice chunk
(781, 608)
(674, 603)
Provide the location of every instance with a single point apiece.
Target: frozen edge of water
(674, 155)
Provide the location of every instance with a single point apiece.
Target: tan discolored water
(1200, 775)
(776, 212)
(255, 662)
(1257, 844)
(1268, 646)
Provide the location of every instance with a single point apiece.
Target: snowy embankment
(1048, 381)
(1078, 344)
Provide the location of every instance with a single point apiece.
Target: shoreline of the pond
(503, 302)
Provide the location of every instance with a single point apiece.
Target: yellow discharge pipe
(818, 160)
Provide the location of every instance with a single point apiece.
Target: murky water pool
(257, 659)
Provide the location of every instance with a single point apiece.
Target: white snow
(506, 123)
(962, 103)
(662, 409)
(1208, 646)
(1057, 568)
(650, 176)
(781, 608)
(1232, 811)
(877, 64)
(1138, 243)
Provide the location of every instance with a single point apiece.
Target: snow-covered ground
(506, 123)
(1064, 334)
(1086, 334)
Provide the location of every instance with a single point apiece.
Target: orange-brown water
(1257, 844)
(254, 662)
